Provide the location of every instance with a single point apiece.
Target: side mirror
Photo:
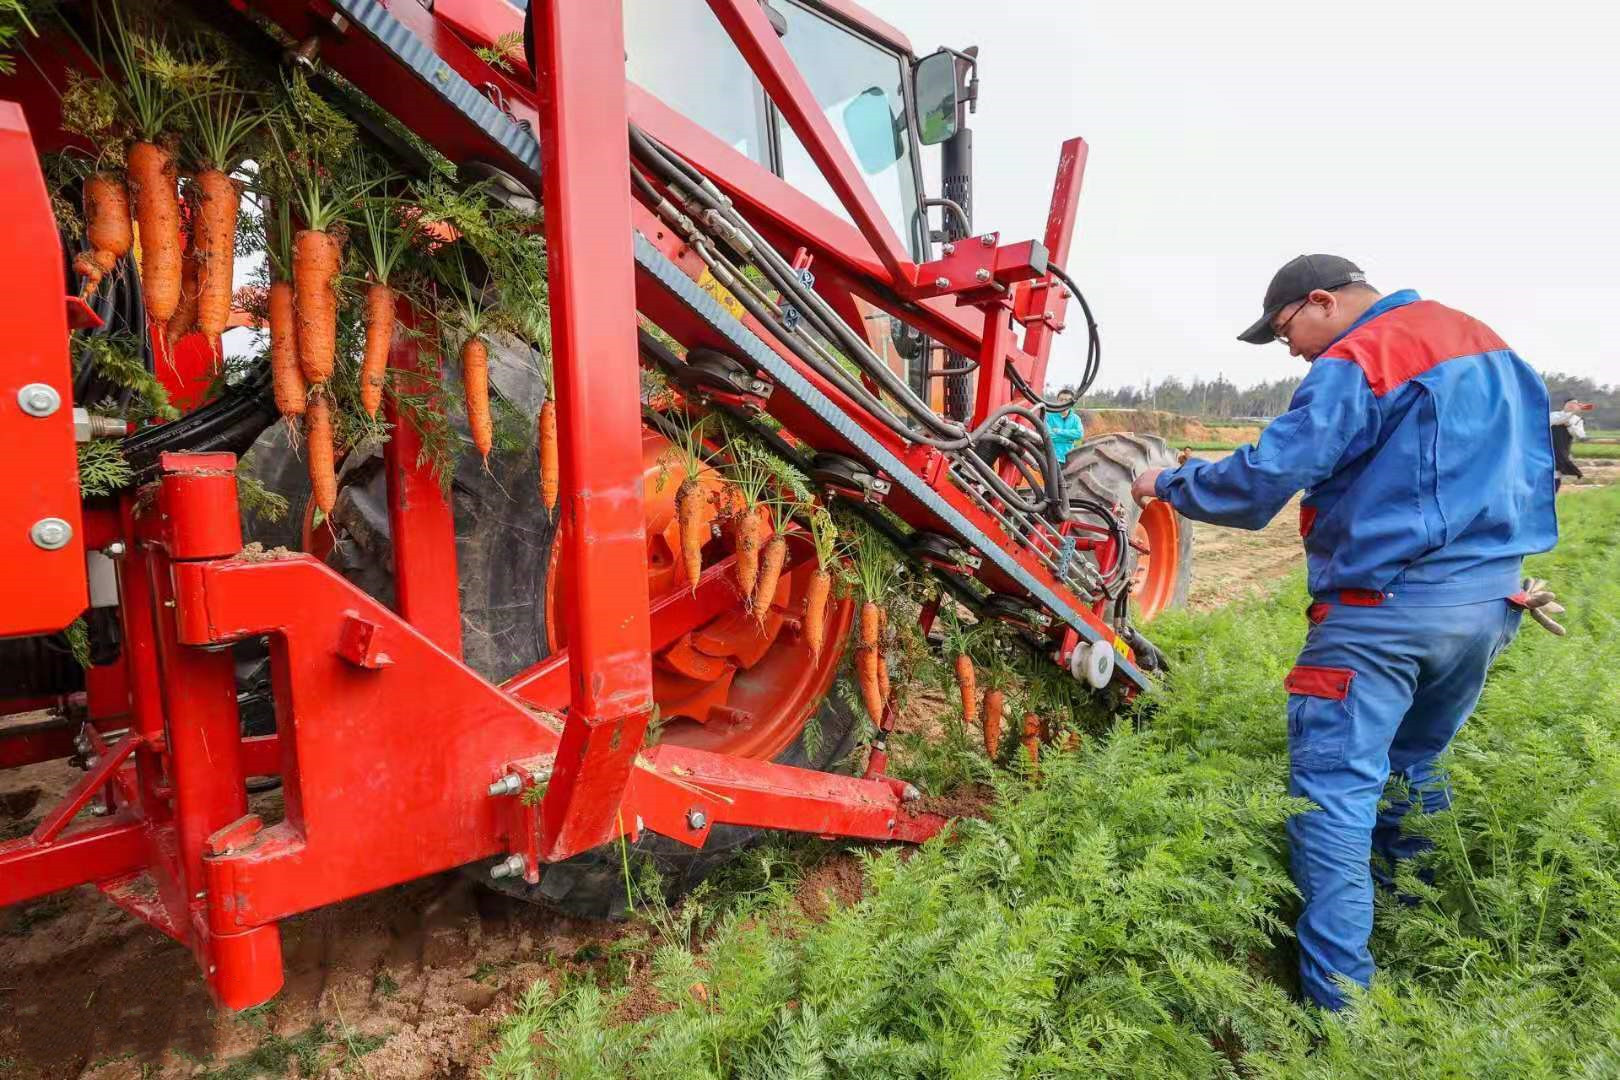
(935, 90)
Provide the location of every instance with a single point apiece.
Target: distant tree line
(1221, 399)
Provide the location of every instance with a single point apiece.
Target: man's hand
(1142, 486)
(1542, 604)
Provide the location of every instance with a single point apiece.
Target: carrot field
(1128, 912)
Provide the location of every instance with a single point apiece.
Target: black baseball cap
(1298, 278)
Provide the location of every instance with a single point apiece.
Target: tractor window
(677, 51)
(859, 87)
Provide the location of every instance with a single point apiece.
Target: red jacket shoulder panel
(1405, 342)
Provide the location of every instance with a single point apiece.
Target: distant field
(1606, 451)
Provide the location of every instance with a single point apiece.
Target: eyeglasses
(1281, 333)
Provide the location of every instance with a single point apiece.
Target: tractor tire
(504, 544)
(1101, 469)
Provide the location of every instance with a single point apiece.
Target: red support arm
(586, 180)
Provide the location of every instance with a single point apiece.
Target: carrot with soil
(320, 451)
(152, 180)
(287, 378)
(995, 704)
(223, 121)
(824, 534)
(107, 229)
(184, 319)
(475, 385)
(386, 237)
(551, 471)
(876, 570)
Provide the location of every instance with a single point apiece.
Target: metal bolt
(909, 793)
(114, 550)
(510, 784)
(38, 399)
(696, 819)
(511, 866)
(942, 283)
(891, 824)
(981, 274)
(949, 249)
(51, 533)
(99, 809)
(988, 239)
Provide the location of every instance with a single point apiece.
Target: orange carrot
(316, 260)
(883, 675)
(184, 319)
(994, 702)
(866, 675)
(379, 339)
(214, 238)
(1071, 743)
(551, 467)
(1032, 737)
(106, 229)
(288, 380)
(688, 512)
(319, 452)
(967, 683)
(475, 382)
(815, 610)
(770, 574)
(748, 553)
(871, 616)
(152, 182)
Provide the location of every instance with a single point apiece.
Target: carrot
(1032, 737)
(92, 266)
(748, 553)
(815, 610)
(316, 260)
(866, 675)
(770, 573)
(288, 380)
(320, 453)
(1072, 742)
(152, 182)
(994, 702)
(551, 468)
(883, 675)
(184, 319)
(379, 339)
(106, 229)
(214, 239)
(689, 512)
(871, 616)
(967, 683)
(475, 382)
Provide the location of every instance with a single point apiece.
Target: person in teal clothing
(1063, 423)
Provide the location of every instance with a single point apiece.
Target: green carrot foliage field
(1128, 914)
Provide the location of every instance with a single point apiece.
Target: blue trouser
(1377, 692)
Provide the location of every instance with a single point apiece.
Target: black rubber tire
(504, 543)
(1101, 469)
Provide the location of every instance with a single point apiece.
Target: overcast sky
(1461, 149)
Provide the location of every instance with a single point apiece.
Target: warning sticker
(721, 294)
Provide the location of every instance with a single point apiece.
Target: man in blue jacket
(1420, 440)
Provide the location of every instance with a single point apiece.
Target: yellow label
(721, 294)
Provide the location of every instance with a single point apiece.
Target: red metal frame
(386, 743)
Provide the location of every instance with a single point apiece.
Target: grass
(1606, 451)
(1128, 914)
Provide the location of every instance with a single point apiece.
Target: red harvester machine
(497, 716)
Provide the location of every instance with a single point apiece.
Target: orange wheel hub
(733, 685)
(1156, 539)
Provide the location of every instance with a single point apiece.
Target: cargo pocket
(1318, 715)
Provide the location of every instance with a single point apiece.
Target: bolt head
(949, 249)
(39, 399)
(988, 239)
(910, 793)
(510, 784)
(942, 283)
(114, 550)
(511, 866)
(51, 533)
(696, 819)
(981, 274)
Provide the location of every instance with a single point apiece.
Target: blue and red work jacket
(1421, 443)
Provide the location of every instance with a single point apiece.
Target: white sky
(1464, 149)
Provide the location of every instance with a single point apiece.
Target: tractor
(446, 672)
